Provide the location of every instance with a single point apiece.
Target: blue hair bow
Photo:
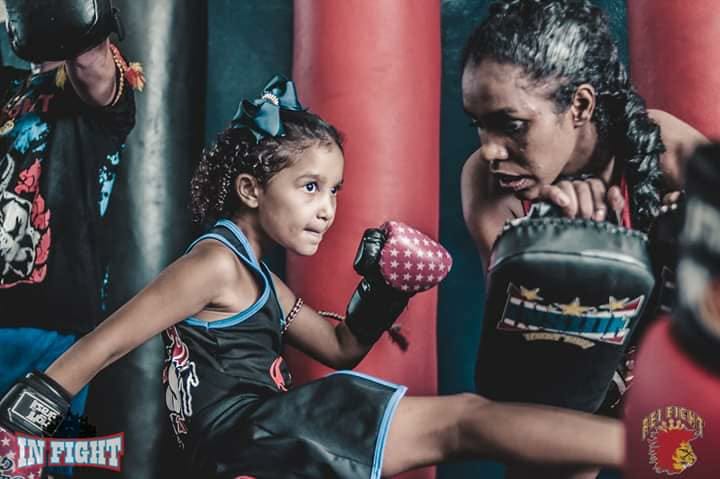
(262, 115)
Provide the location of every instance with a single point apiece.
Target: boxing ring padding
(673, 52)
(373, 70)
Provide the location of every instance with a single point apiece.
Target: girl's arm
(379, 298)
(331, 344)
(181, 290)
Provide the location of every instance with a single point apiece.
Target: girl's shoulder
(236, 285)
(680, 139)
(217, 257)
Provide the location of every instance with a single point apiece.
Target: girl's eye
(334, 190)
(311, 187)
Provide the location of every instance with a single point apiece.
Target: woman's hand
(584, 198)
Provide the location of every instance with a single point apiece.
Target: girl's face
(524, 140)
(297, 205)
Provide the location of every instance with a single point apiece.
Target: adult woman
(559, 121)
(552, 103)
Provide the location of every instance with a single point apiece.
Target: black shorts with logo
(335, 427)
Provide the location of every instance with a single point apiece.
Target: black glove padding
(54, 30)
(35, 405)
(664, 238)
(563, 298)
(374, 306)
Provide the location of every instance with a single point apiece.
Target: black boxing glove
(35, 405)
(54, 30)
(664, 240)
(396, 261)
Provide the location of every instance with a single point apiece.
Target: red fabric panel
(372, 68)
(674, 53)
(666, 380)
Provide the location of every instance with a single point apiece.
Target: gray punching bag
(151, 219)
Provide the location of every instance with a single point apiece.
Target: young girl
(272, 178)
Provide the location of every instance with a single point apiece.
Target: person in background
(63, 123)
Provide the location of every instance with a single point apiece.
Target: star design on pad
(615, 304)
(574, 308)
(530, 294)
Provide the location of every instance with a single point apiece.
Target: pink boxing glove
(396, 261)
(410, 261)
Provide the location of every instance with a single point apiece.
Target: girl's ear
(248, 189)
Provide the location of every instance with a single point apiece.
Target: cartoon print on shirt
(25, 236)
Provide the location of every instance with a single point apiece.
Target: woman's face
(525, 141)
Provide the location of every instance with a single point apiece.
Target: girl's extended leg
(430, 430)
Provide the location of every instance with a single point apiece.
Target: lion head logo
(670, 449)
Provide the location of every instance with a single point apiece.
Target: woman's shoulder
(680, 139)
(478, 190)
(485, 208)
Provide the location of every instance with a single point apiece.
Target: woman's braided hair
(235, 151)
(570, 41)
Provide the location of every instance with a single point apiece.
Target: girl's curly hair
(235, 151)
(570, 41)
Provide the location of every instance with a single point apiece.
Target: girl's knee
(469, 409)
(471, 404)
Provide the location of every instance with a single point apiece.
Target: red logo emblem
(669, 433)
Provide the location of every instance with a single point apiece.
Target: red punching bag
(373, 70)
(672, 412)
(673, 50)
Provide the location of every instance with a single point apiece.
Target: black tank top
(219, 369)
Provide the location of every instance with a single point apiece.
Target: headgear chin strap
(262, 115)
